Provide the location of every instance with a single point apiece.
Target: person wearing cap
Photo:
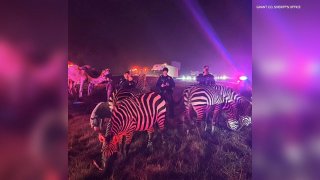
(165, 85)
(127, 82)
(206, 78)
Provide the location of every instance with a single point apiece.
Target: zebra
(233, 105)
(206, 102)
(130, 115)
(101, 114)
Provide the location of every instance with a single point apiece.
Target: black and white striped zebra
(134, 114)
(206, 102)
(232, 104)
(101, 114)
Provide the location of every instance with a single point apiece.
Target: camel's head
(100, 116)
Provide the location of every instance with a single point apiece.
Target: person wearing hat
(206, 78)
(165, 85)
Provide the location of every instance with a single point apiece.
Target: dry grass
(198, 155)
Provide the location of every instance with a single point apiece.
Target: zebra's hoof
(245, 120)
(149, 145)
(233, 125)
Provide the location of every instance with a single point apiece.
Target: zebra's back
(140, 112)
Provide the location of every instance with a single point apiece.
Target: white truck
(157, 70)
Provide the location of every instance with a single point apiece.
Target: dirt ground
(196, 155)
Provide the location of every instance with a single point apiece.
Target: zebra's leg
(161, 128)
(214, 119)
(186, 118)
(208, 121)
(150, 136)
(128, 142)
(81, 89)
(73, 88)
(232, 120)
(89, 89)
(200, 112)
(70, 87)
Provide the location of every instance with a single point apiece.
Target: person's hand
(162, 85)
(101, 138)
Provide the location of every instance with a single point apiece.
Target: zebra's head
(100, 114)
(109, 148)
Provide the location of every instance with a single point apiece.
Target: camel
(78, 75)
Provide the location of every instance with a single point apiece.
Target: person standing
(165, 85)
(206, 78)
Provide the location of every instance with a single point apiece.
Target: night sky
(121, 33)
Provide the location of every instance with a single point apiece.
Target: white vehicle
(157, 70)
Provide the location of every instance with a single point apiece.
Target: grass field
(197, 155)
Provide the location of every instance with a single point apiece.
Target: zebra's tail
(176, 103)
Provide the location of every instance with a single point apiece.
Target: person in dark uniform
(165, 85)
(206, 78)
(127, 82)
